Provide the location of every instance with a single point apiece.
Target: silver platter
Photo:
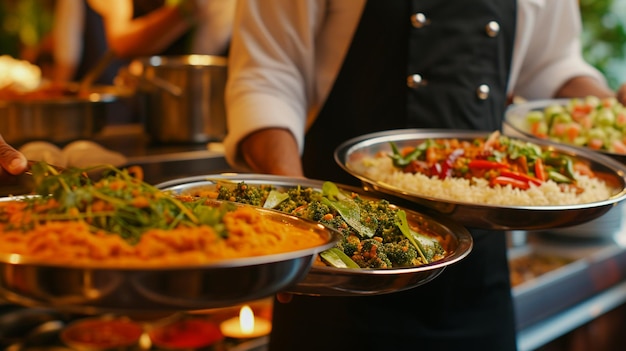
(515, 122)
(91, 289)
(481, 215)
(330, 281)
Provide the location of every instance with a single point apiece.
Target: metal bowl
(481, 215)
(58, 119)
(515, 123)
(135, 290)
(183, 97)
(330, 281)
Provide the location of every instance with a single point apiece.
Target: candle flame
(246, 320)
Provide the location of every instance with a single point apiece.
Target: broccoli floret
(392, 234)
(371, 254)
(242, 193)
(384, 216)
(401, 253)
(298, 197)
(349, 245)
(315, 211)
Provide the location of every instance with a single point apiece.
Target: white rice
(381, 170)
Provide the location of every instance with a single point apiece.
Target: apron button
(483, 91)
(419, 20)
(414, 81)
(492, 29)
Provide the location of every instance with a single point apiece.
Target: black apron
(464, 68)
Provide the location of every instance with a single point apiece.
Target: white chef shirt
(284, 61)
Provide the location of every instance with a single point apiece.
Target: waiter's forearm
(584, 86)
(272, 151)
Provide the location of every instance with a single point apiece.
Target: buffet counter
(588, 280)
(584, 279)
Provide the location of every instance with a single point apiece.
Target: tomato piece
(573, 130)
(583, 109)
(595, 144)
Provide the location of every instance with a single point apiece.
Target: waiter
(308, 75)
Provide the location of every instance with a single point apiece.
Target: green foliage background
(604, 37)
(23, 23)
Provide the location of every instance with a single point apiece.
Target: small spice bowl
(100, 334)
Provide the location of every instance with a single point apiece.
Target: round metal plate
(473, 214)
(134, 290)
(330, 281)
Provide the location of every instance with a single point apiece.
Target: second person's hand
(11, 160)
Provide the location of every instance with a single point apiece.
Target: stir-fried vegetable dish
(376, 234)
(500, 160)
(599, 124)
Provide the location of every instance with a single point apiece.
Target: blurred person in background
(79, 42)
(305, 76)
(171, 27)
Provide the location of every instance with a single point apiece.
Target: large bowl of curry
(120, 245)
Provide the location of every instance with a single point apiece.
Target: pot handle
(160, 83)
(126, 77)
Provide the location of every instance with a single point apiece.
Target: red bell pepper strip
(486, 164)
(446, 168)
(540, 170)
(521, 176)
(504, 181)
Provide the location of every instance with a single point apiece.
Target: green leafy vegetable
(347, 208)
(403, 224)
(337, 258)
(274, 198)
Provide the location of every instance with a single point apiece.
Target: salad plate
(584, 123)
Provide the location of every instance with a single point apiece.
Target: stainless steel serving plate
(477, 215)
(90, 289)
(330, 281)
(515, 122)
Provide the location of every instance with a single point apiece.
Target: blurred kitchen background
(25, 33)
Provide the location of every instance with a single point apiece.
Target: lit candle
(246, 325)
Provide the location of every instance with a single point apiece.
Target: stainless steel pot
(191, 109)
(58, 119)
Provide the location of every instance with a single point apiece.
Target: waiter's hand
(272, 151)
(11, 160)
